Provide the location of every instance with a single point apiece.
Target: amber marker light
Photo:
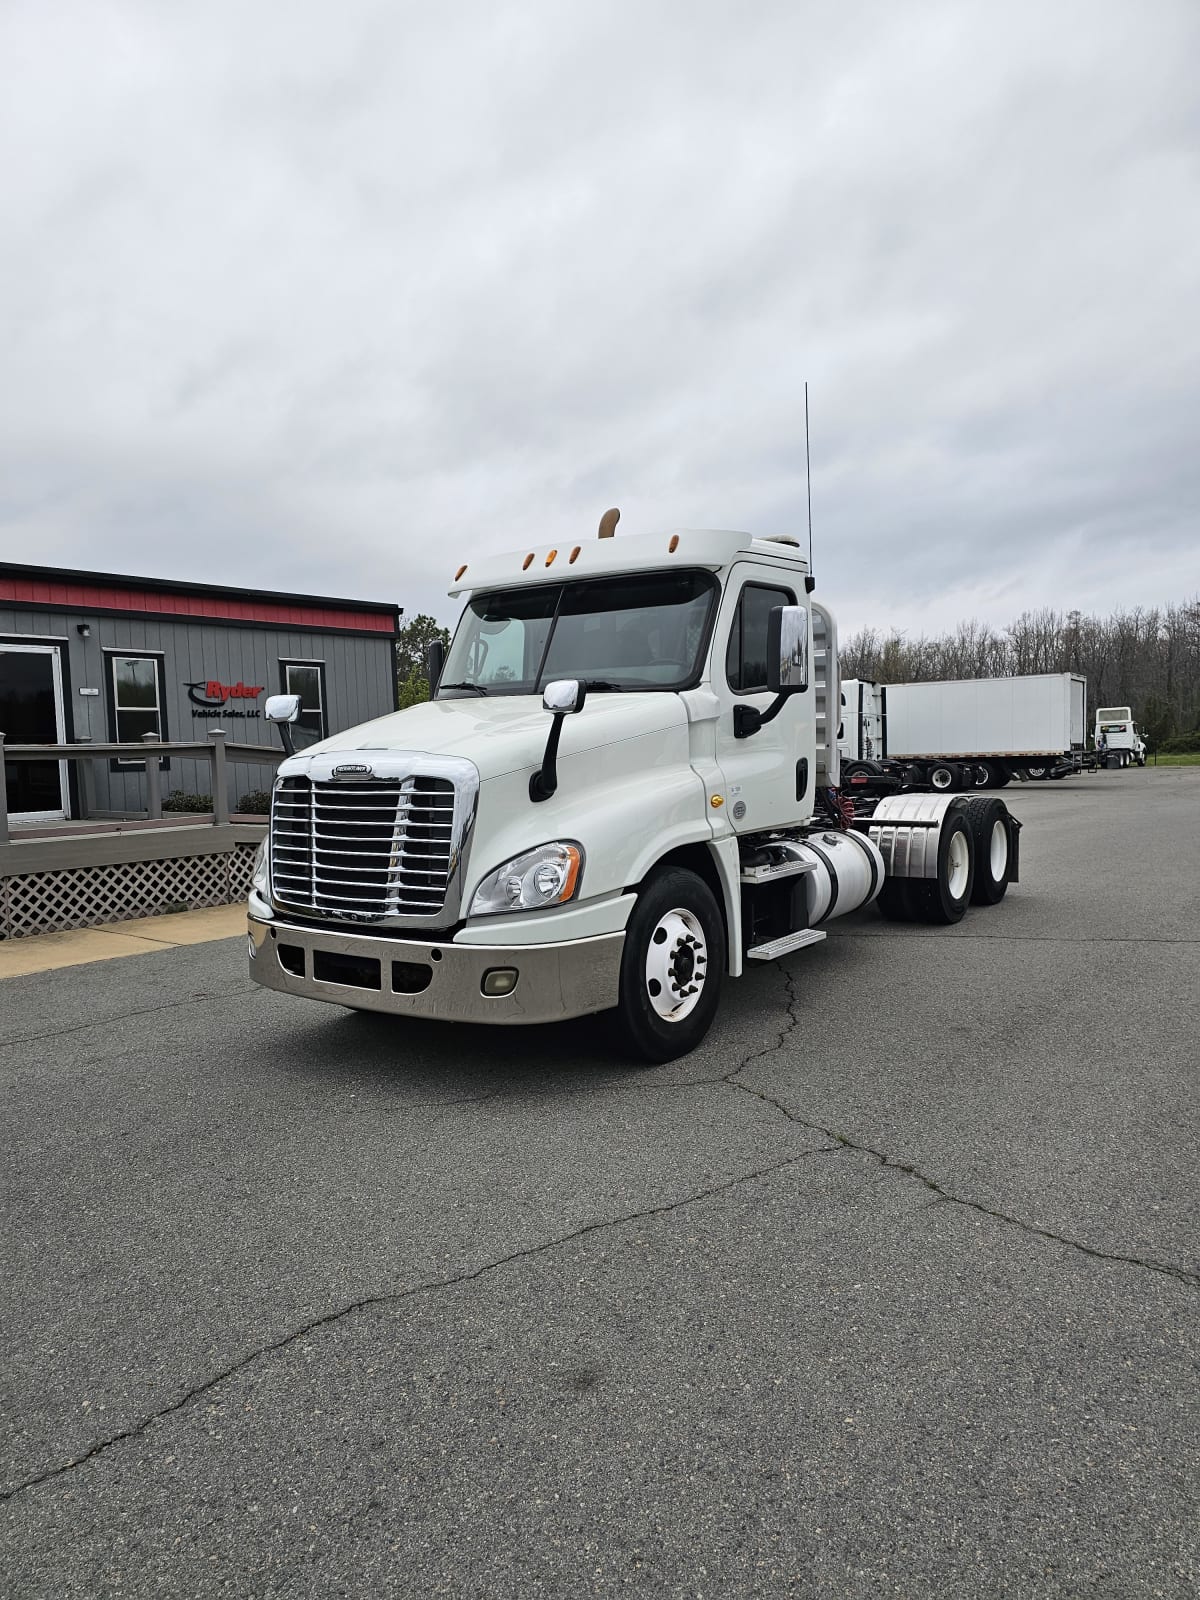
(674, 544)
(572, 873)
(716, 801)
(527, 560)
(574, 556)
(551, 557)
(460, 572)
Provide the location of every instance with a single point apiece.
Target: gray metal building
(92, 657)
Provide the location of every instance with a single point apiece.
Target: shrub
(255, 803)
(178, 801)
(1183, 744)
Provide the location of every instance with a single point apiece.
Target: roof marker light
(551, 557)
(674, 544)
(460, 572)
(527, 560)
(574, 556)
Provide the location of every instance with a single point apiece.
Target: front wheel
(671, 966)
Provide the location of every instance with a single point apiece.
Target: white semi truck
(625, 788)
(1117, 739)
(964, 733)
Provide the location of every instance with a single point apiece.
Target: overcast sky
(329, 297)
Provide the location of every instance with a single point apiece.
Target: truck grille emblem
(353, 769)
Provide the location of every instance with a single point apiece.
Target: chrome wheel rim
(676, 964)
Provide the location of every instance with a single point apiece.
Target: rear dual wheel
(988, 820)
(944, 898)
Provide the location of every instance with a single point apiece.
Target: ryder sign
(210, 698)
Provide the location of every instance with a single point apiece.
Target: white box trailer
(996, 728)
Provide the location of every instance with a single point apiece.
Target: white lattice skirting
(43, 902)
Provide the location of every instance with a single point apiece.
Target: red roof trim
(159, 603)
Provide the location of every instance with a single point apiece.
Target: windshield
(644, 632)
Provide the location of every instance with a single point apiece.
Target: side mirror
(562, 698)
(787, 650)
(282, 707)
(435, 660)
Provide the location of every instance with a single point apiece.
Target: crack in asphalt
(123, 1016)
(840, 1143)
(1147, 1263)
(394, 1297)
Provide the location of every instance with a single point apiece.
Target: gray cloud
(332, 300)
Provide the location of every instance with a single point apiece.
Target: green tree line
(413, 641)
(1147, 658)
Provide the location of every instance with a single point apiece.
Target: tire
(895, 900)
(1038, 774)
(993, 850)
(944, 777)
(945, 898)
(1003, 777)
(855, 773)
(661, 1024)
(984, 775)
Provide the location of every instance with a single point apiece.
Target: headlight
(260, 871)
(543, 877)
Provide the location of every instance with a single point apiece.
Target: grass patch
(1190, 760)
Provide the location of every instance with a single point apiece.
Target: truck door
(769, 776)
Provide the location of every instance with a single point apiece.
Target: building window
(746, 657)
(307, 679)
(135, 699)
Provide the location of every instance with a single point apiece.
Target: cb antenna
(810, 582)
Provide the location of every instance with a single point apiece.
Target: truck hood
(508, 734)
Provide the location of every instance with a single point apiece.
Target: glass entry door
(31, 712)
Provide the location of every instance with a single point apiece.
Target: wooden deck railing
(149, 752)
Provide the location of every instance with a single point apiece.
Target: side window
(307, 679)
(135, 699)
(746, 657)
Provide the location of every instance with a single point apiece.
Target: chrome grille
(368, 849)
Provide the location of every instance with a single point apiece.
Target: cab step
(785, 944)
(772, 870)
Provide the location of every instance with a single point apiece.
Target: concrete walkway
(46, 951)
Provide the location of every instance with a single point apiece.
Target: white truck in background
(624, 790)
(1118, 742)
(968, 733)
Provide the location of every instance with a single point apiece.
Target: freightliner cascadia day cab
(624, 789)
(964, 733)
(1116, 737)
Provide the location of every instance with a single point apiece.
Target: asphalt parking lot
(890, 1289)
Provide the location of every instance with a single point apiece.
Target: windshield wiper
(475, 688)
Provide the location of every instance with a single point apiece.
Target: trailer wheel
(855, 773)
(945, 898)
(671, 966)
(1002, 776)
(983, 776)
(993, 850)
(1038, 772)
(944, 777)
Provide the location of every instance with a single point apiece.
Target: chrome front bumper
(424, 978)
